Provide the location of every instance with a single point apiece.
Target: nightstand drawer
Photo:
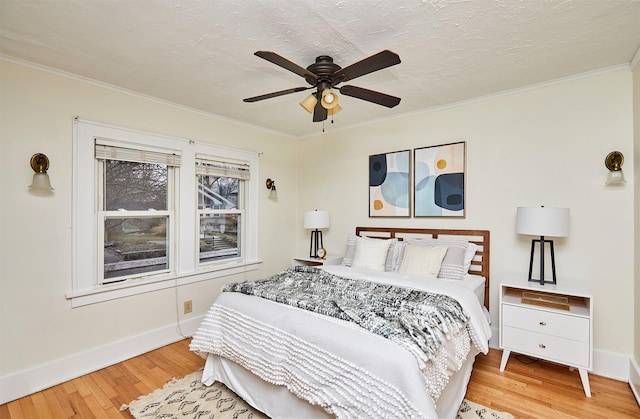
(545, 322)
(553, 348)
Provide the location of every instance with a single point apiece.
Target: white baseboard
(494, 342)
(634, 379)
(40, 377)
(611, 365)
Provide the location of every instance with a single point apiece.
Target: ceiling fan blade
(376, 62)
(319, 112)
(275, 94)
(286, 64)
(370, 96)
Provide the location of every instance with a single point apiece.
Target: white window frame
(186, 269)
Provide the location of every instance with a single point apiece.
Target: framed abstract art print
(390, 184)
(439, 178)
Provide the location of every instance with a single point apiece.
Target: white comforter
(337, 365)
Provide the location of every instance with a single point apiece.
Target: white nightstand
(307, 261)
(553, 334)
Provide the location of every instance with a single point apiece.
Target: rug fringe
(172, 381)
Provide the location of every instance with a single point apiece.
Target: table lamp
(543, 221)
(315, 220)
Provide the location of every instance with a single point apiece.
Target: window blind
(111, 152)
(208, 167)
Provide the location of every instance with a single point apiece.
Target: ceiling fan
(324, 76)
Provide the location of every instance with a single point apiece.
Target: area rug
(189, 398)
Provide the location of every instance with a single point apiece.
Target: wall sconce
(271, 185)
(613, 162)
(40, 164)
(542, 221)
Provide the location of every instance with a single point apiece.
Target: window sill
(140, 286)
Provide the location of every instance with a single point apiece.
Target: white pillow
(352, 239)
(472, 248)
(458, 258)
(394, 255)
(422, 260)
(371, 253)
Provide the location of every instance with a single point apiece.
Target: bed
(330, 358)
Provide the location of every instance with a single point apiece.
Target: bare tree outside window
(135, 186)
(135, 224)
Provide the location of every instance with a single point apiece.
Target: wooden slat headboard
(479, 264)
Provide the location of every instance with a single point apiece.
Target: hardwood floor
(538, 390)
(546, 390)
(101, 393)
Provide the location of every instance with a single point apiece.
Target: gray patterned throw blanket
(417, 320)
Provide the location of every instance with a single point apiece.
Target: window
(221, 203)
(136, 214)
(152, 212)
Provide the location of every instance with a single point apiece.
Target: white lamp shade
(41, 182)
(543, 221)
(316, 219)
(616, 177)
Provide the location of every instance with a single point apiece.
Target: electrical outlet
(188, 307)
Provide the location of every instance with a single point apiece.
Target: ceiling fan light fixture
(309, 103)
(329, 99)
(334, 110)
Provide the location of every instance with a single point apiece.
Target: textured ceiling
(199, 53)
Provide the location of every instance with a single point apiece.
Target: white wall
(541, 146)
(37, 324)
(635, 363)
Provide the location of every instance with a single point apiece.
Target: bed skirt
(277, 402)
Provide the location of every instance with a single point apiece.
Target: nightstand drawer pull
(541, 346)
(543, 323)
